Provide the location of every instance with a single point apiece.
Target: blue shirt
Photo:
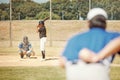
(95, 39)
(24, 46)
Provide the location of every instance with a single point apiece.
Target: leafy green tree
(61, 9)
(42, 15)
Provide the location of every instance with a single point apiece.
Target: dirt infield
(31, 62)
(16, 61)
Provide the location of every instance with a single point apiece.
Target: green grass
(32, 73)
(115, 73)
(42, 73)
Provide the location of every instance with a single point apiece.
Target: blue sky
(4, 1)
(39, 1)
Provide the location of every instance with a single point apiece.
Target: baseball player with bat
(41, 29)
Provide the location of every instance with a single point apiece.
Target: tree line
(61, 9)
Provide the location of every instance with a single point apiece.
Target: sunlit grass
(115, 73)
(42, 73)
(31, 73)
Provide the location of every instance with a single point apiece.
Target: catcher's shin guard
(21, 55)
(28, 55)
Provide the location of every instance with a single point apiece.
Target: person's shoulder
(21, 43)
(29, 43)
(114, 33)
(44, 27)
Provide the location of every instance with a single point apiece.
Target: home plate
(33, 57)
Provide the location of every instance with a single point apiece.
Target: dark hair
(41, 22)
(98, 21)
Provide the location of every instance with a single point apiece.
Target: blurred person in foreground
(25, 48)
(92, 41)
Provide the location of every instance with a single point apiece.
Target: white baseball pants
(42, 43)
(84, 71)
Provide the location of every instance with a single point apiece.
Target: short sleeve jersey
(42, 32)
(95, 39)
(24, 46)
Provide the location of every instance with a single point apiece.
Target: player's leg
(33, 53)
(28, 53)
(42, 48)
(21, 53)
(43, 54)
(44, 41)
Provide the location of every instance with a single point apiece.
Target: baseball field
(14, 68)
(58, 32)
